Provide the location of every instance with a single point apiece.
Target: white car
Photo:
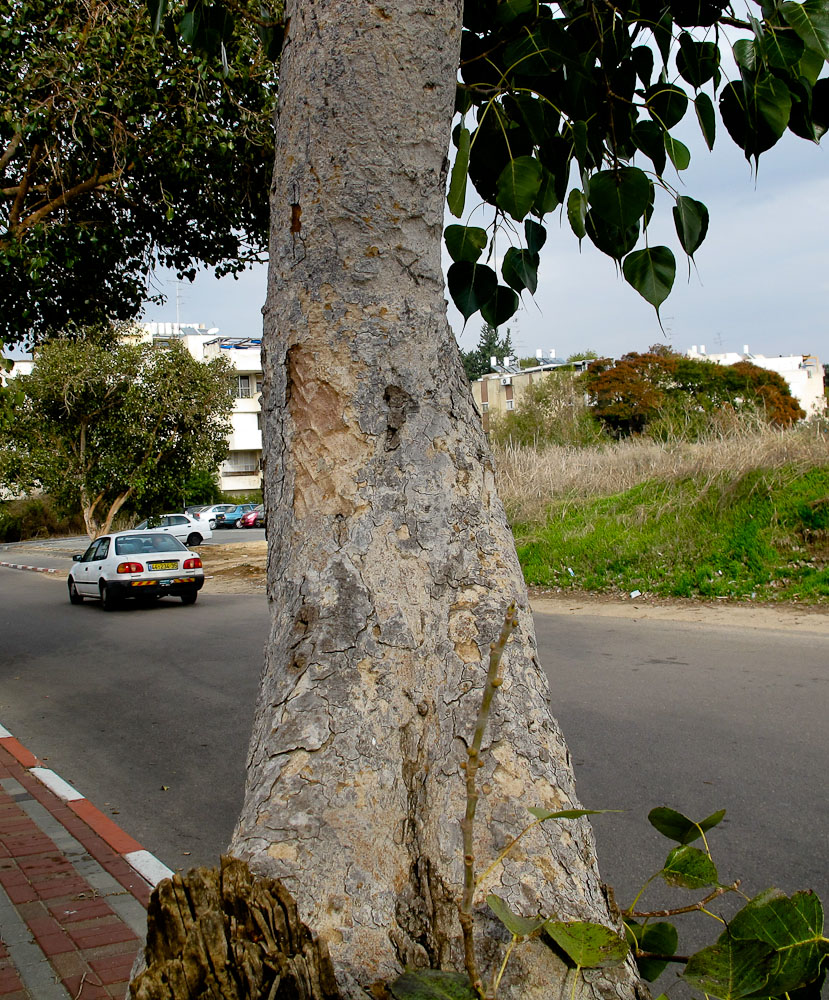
(184, 527)
(209, 513)
(143, 565)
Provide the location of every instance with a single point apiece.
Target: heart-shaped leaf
(520, 270)
(518, 186)
(590, 946)
(706, 118)
(689, 868)
(691, 221)
(659, 939)
(535, 235)
(666, 104)
(651, 272)
(620, 197)
(678, 152)
(470, 285)
(500, 307)
(730, 969)
(465, 242)
(811, 21)
(669, 822)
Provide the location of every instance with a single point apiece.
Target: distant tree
(490, 345)
(101, 425)
(588, 354)
(551, 411)
(632, 393)
(116, 153)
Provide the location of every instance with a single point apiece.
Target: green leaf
(697, 62)
(465, 242)
(500, 307)
(691, 221)
(460, 172)
(535, 235)
(157, 9)
(689, 868)
(576, 212)
(470, 285)
(520, 270)
(706, 118)
(518, 185)
(774, 103)
(666, 104)
(660, 939)
(620, 196)
(611, 240)
(782, 50)
(590, 946)
(648, 137)
(745, 53)
(547, 198)
(794, 928)
(669, 822)
(545, 814)
(678, 152)
(651, 272)
(508, 10)
(517, 926)
(432, 984)
(811, 21)
(730, 969)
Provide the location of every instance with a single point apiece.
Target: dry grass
(529, 480)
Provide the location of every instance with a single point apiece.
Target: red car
(253, 519)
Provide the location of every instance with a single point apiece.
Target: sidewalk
(73, 888)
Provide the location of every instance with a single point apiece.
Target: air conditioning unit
(506, 381)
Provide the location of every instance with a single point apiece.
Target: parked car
(141, 565)
(210, 513)
(253, 519)
(195, 511)
(230, 518)
(185, 528)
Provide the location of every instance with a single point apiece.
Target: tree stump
(228, 935)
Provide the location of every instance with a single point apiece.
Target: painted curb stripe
(33, 569)
(142, 862)
(148, 866)
(56, 784)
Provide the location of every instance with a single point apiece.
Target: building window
(259, 421)
(510, 404)
(243, 390)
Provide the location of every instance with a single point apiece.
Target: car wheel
(189, 597)
(194, 539)
(74, 596)
(109, 602)
(212, 523)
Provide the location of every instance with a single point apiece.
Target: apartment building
(241, 472)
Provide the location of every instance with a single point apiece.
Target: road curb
(141, 861)
(32, 569)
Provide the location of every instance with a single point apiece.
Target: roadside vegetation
(739, 511)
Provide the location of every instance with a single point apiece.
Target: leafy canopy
(629, 394)
(104, 423)
(574, 106)
(117, 153)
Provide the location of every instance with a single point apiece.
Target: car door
(91, 566)
(177, 525)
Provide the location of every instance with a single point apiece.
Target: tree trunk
(391, 562)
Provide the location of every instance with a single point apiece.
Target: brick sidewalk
(72, 906)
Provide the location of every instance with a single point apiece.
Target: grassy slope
(761, 534)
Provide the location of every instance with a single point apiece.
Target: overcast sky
(761, 278)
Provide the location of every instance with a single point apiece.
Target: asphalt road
(147, 712)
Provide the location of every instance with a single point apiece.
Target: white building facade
(241, 472)
(802, 372)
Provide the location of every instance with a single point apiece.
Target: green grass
(763, 535)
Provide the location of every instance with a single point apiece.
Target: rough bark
(221, 934)
(391, 562)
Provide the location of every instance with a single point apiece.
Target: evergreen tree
(477, 362)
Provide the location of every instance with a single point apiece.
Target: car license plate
(162, 565)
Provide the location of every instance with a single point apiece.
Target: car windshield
(130, 545)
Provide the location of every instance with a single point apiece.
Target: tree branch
(10, 150)
(66, 197)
